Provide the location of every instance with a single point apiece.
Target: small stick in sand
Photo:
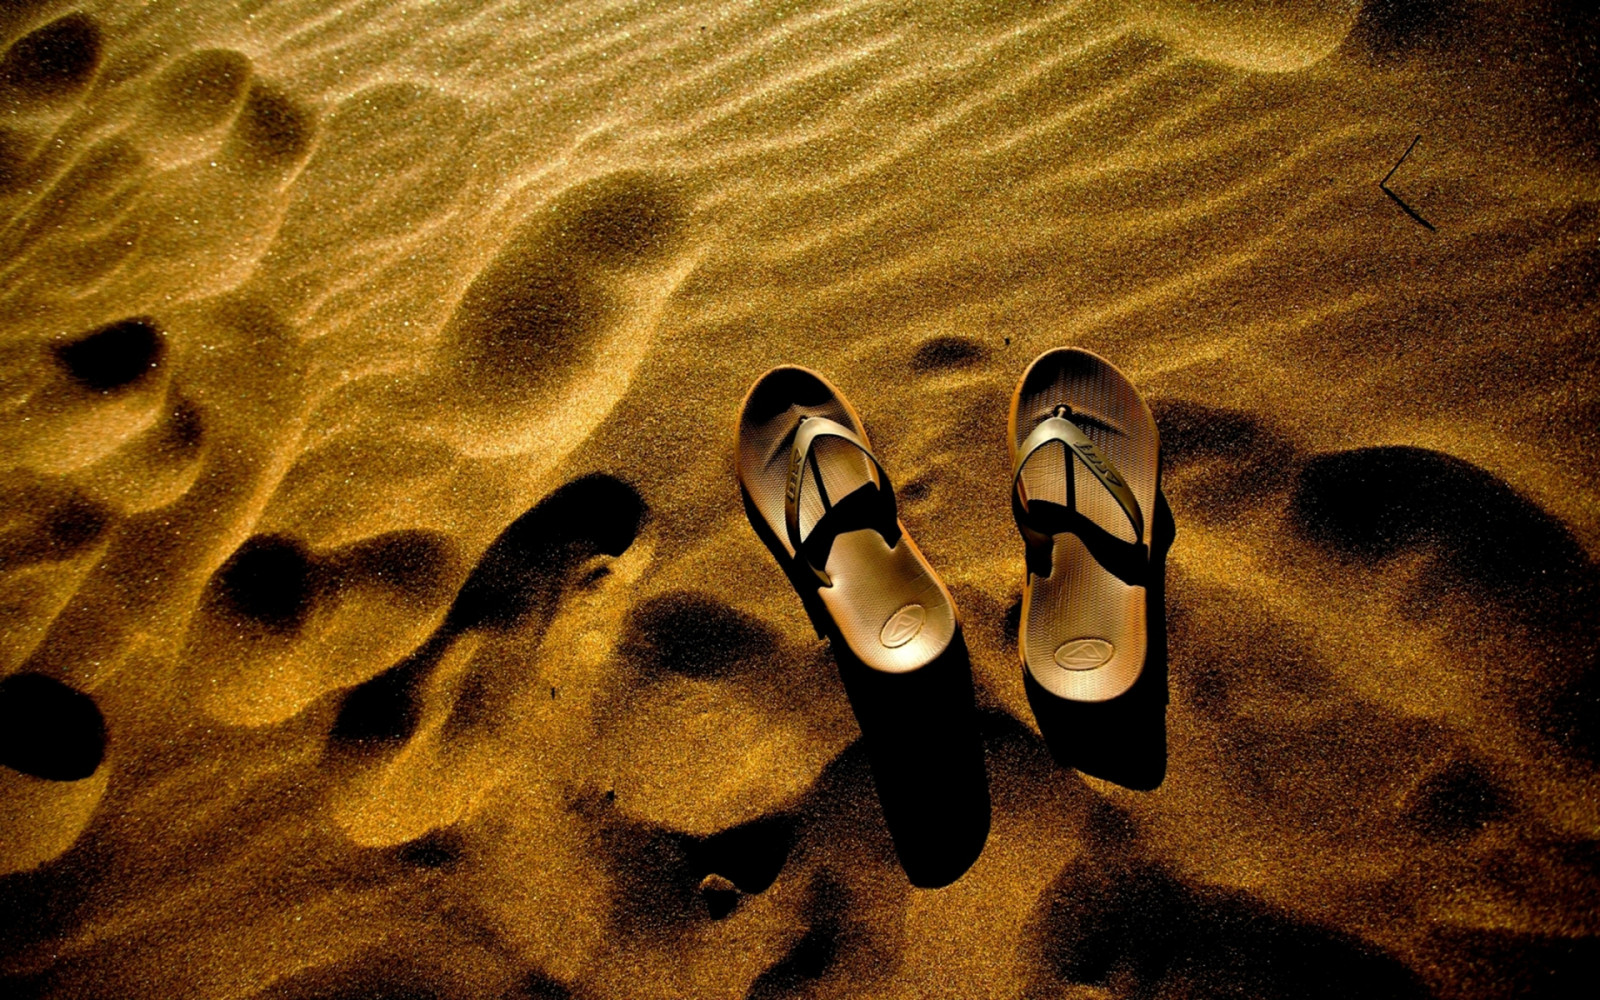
(1385, 182)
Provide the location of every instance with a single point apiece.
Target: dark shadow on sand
(1522, 567)
(518, 580)
(1116, 921)
(920, 732)
(48, 729)
(1123, 740)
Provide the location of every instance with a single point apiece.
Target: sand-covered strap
(1061, 429)
(805, 437)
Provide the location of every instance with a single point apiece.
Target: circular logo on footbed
(1084, 654)
(903, 626)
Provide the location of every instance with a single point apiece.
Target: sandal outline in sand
(1087, 629)
(863, 581)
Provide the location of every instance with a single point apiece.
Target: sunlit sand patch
(43, 818)
(690, 754)
(1260, 35)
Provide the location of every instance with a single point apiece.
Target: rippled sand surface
(369, 373)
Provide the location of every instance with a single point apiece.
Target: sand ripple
(377, 616)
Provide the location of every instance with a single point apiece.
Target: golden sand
(369, 375)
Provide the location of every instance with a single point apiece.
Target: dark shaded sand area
(378, 617)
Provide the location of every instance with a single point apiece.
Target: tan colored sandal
(825, 507)
(1086, 478)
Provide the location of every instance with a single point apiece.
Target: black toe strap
(1039, 521)
(869, 506)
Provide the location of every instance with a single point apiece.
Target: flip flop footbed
(1084, 632)
(882, 598)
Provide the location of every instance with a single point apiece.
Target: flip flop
(1085, 492)
(825, 507)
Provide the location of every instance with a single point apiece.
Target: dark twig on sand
(1384, 185)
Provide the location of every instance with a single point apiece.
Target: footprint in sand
(1532, 590)
(815, 886)
(52, 743)
(58, 248)
(544, 307)
(223, 144)
(87, 395)
(46, 521)
(98, 434)
(49, 531)
(52, 61)
(1433, 528)
(180, 202)
(841, 893)
(272, 132)
(1434, 533)
(1298, 742)
(279, 624)
(622, 743)
(193, 97)
(517, 584)
(46, 263)
(727, 782)
(102, 407)
(849, 944)
(198, 92)
(490, 707)
(49, 730)
(687, 738)
(1460, 620)
(547, 336)
(470, 678)
(113, 357)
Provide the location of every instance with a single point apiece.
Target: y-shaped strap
(1128, 561)
(802, 454)
(1059, 428)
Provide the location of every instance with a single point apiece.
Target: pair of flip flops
(1086, 473)
(1085, 484)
